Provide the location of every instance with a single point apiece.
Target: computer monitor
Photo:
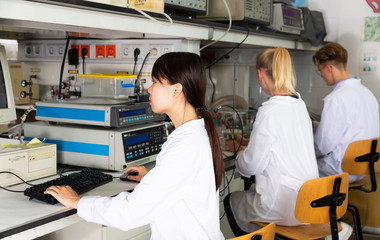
(7, 102)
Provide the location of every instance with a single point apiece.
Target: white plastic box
(107, 85)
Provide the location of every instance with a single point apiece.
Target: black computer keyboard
(81, 182)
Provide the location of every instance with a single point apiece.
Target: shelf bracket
(210, 33)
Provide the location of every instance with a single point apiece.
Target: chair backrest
(357, 149)
(265, 233)
(362, 157)
(320, 188)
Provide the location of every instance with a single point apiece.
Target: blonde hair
(277, 64)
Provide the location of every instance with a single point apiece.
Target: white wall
(351, 35)
(345, 25)
(309, 84)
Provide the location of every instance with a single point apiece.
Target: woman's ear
(177, 89)
(259, 75)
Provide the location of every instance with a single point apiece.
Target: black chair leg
(357, 225)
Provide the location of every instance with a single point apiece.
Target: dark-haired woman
(179, 197)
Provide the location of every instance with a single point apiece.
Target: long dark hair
(188, 69)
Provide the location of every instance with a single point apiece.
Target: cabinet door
(140, 233)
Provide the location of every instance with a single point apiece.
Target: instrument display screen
(137, 139)
(132, 112)
(292, 16)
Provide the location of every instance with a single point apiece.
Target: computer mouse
(124, 177)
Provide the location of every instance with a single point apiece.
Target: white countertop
(21, 214)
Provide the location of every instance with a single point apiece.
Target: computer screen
(7, 104)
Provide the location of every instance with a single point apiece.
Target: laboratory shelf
(46, 20)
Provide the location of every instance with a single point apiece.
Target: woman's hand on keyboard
(142, 171)
(65, 195)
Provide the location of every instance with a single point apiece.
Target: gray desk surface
(19, 214)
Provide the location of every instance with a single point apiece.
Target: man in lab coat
(350, 111)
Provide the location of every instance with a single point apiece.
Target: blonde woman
(280, 151)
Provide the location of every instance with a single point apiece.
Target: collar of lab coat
(193, 125)
(348, 81)
(283, 99)
(351, 79)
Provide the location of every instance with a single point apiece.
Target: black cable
(17, 177)
(83, 64)
(222, 216)
(241, 124)
(84, 53)
(237, 46)
(134, 67)
(142, 65)
(221, 192)
(136, 54)
(10, 190)
(212, 82)
(62, 67)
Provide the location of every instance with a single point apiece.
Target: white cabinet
(90, 231)
(140, 233)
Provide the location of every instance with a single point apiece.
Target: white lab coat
(350, 113)
(178, 197)
(281, 155)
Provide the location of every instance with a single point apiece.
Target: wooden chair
(265, 233)
(361, 158)
(320, 202)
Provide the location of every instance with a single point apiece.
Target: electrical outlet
(153, 52)
(100, 51)
(38, 50)
(165, 49)
(28, 50)
(110, 51)
(51, 50)
(125, 51)
(54, 50)
(88, 50)
(142, 52)
(61, 50)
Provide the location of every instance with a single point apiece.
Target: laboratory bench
(22, 218)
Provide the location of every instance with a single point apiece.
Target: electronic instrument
(251, 11)
(287, 19)
(101, 114)
(102, 148)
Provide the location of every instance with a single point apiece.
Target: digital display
(132, 113)
(137, 139)
(291, 16)
(289, 12)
